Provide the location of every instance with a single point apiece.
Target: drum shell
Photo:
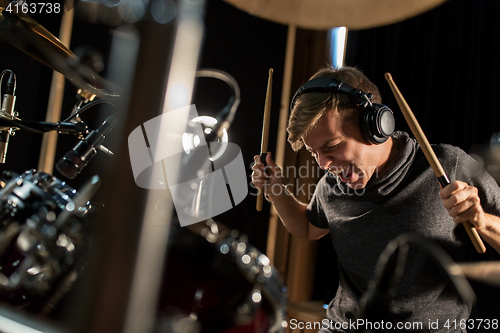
(207, 282)
(40, 255)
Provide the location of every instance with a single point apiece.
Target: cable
(12, 75)
(13, 122)
(231, 82)
(390, 268)
(88, 106)
(16, 123)
(444, 260)
(226, 115)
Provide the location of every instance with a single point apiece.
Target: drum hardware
(24, 33)
(43, 239)
(225, 117)
(375, 302)
(10, 122)
(216, 281)
(73, 162)
(484, 271)
(78, 110)
(41, 127)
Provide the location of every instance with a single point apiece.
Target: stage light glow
(338, 41)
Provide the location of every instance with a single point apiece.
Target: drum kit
(222, 283)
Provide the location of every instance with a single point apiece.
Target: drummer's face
(338, 146)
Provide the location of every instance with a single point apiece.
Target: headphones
(377, 122)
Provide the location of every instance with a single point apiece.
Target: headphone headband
(328, 84)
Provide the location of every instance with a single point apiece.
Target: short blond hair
(310, 107)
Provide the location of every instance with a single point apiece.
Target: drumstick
(431, 156)
(265, 132)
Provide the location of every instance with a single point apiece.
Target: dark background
(445, 62)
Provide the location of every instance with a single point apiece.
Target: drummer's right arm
(291, 211)
(293, 214)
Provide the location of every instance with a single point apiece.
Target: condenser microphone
(76, 159)
(224, 119)
(8, 102)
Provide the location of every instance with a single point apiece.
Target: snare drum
(42, 239)
(215, 281)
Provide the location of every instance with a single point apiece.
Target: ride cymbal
(27, 35)
(326, 14)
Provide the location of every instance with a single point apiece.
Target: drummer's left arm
(463, 204)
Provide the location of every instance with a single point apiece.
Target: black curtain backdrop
(445, 62)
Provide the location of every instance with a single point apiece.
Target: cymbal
(484, 271)
(24, 33)
(326, 14)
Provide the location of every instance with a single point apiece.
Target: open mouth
(344, 172)
(335, 170)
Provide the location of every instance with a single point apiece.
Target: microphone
(224, 119)
(8, 101)
(75, 160)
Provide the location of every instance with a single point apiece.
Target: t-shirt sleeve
(315, 212)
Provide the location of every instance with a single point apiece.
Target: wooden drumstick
(431, 156)
(265, 132)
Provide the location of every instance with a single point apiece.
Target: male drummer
(379, 185)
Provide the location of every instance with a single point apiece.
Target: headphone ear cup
(377, 123)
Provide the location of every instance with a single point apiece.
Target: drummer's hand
(268, 178)
(463, 203)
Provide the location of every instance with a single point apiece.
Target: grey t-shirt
(403, 199)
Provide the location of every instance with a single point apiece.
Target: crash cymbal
(325, 14)
(30, 37)
(484, 271)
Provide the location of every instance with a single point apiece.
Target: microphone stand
(390, 267)
(376, 300)
(79, 128)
